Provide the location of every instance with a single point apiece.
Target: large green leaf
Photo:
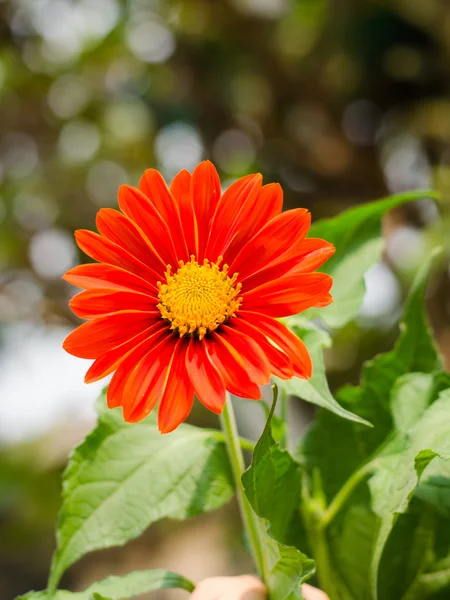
(120, 588)
(410, 397)
(412, 394)
(357, 235)
(315, 390)
(272, 485)
(398, 475)
(434, 581)
(350, 540)
(288, 569)
(415, 350)
(124, 477)
(408, 552)
(337, 447)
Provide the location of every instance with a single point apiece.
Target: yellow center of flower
(198, 298)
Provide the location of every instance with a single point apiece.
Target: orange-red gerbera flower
(188, 289)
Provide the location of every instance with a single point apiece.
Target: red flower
(186, 295)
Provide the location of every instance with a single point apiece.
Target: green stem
(345, 492)
(250, 520)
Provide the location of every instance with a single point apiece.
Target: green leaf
(357, 235)
(411, 395)
(350, 542)
(278, 425)
(398, 475)
(407, 553)
(339, 447)
(334, 448)
(124, 477)
(315, 390)
(434, 487)
(135, 584)
(120, 588)
(415, 350)
(288, 569)
(272, 485)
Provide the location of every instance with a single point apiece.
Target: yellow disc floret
(198, 298)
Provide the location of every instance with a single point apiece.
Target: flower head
(186, 294)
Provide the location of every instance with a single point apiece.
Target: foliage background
(341, 101)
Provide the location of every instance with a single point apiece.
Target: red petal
(265, 206)
(231, 212)
(155, 188)
(254, 359)
(325, 301)
(208, 384)
(144, 386)
(288, 295)
(272, 242)
(280, 363)
(315, 252)
(284, 339)
(109, 361)
(115, 394)
(101, 249)
(100, 276)
(271, 199)
(178, 394)
(143, 212)
(181, 191)
(95, 337)
(92, 304)
(305, 257)
(205, 191)
(231, 367)
(120, 230)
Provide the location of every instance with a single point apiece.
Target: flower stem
(250, 520)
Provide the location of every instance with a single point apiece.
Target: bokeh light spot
(52, 252)
(79, 141)
(103, 181)
(68, 96)
(128, 121)
(178, 146)
(150, 41)
(234, 151)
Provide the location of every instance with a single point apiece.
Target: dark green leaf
(350, 540)
(288, 569)
(278, 425)
(124, 477)
(357, 235)
(398, 475)
(339, 447)
(407, 552)
(335, 448)
(272, 485)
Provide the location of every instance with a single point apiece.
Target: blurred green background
(341, 101)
